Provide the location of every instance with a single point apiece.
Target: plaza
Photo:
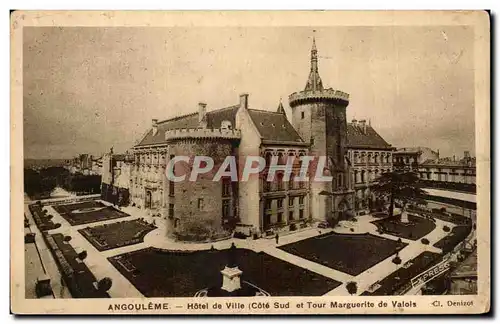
(134, 252)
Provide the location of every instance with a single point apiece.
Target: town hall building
(208, 209)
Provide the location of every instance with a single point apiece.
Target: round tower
(319, 116)
(202, 209)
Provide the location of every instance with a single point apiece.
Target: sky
(88, 89)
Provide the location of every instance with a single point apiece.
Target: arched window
(279, 181)
(268, 158)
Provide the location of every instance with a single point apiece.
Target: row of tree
(39, 184)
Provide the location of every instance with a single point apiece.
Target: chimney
(362, 124)
(202, 111)
(244, 100)
(154, 123)
(354, 122)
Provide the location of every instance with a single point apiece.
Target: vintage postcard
(265, 162)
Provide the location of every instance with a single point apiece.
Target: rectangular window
(171, 210)
(280, 217)
(302, 115)
(200, 203)
(301, 214)
(290, 215)
(226, 188)
(290, 201)
(171, 188)
(279, 180)
(225, 209)
(267, 185)
(301, 200)
(268, 204)
(280, 203)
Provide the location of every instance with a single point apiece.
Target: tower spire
(281, 110)
(314, 82)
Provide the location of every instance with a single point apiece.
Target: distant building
(85, 164)
(370, 156)
(450, 170)
(116, 177)
(409, 158)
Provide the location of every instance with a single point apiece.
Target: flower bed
(114, 235)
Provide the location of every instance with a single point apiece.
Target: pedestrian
(277, 238)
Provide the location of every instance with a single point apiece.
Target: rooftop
(359, 136)
(189, 121)
(274, 126)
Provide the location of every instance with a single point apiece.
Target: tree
(401, 187)
(104, 284)
(352, 287)
(82, 255)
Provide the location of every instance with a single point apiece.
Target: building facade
(449, 170)
(409, 158)
(116, 178)
(371, 156)
(206, 209)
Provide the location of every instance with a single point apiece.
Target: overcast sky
(87, 89)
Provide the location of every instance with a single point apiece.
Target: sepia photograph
(250, 162)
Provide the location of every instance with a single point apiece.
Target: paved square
(88, 212)
(110, 236)
(351, 254)
(416, 228)
(158, 273)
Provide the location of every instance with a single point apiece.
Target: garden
(88, 212)
(110, 236)
(416, 228)
(161, 273)
(351, 254)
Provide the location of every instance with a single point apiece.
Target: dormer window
(226, 124)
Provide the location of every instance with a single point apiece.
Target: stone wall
(197, 205)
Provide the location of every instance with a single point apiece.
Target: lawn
(400, 279)
(457, 235)
(446, 216)
(109, 236)
(417, 227)
(159, 273)
(88, 212)
(348, 253)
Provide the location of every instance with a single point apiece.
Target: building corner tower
(319, 116)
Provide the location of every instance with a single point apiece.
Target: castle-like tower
(319, 116)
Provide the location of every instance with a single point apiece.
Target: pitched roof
(214, 120)
(356, 137)
(274, 126)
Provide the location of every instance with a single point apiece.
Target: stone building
(116, 178)
(450, 170)
(206, 209)
(371, 156)
(319, 115)
(409, 158)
